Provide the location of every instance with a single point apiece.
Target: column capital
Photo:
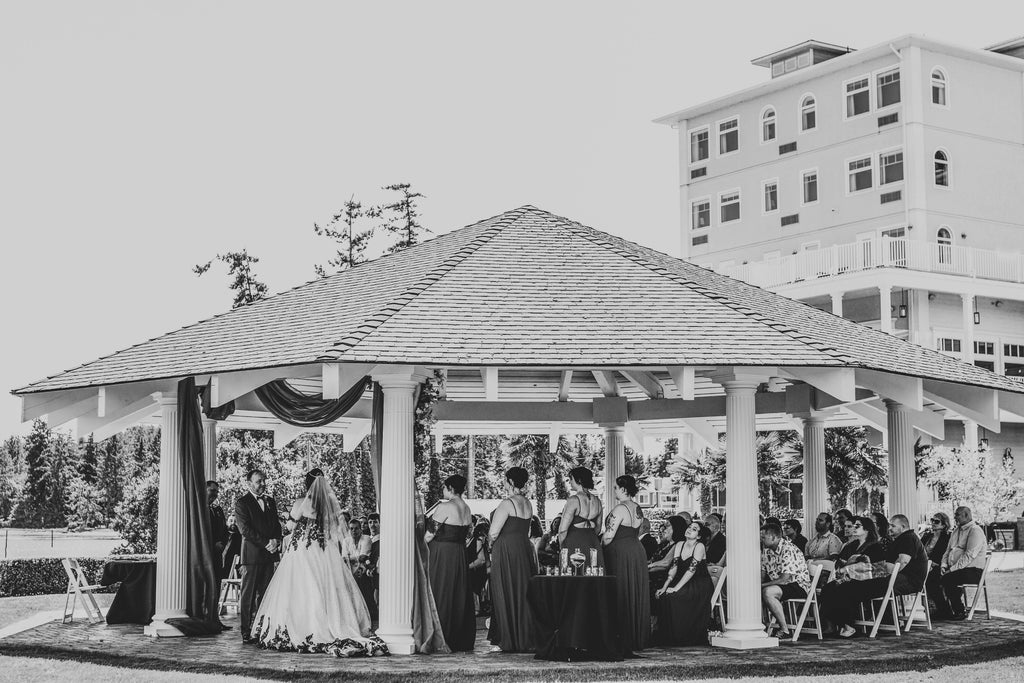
(399, 376)
(615, 427)
(167, 398)
(739, 377)
(893, 405)
(611, 411)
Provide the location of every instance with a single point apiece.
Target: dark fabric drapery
(215, 413)
(376, 438)
(201, 573)
(301, 410)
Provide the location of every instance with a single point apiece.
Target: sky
(138, 139)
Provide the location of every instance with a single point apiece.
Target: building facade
(885, 185)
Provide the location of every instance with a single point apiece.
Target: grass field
(27, 543)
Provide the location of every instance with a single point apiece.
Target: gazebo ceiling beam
(703, 430)
(684, 378)
(606, 381)
(103, 427)
(926, 421)
(69, 412)
(839, 382)
(227, 386)
(284, 434)
(564, 385)
(115, 398)
(1012, 403)
(972, 403)
(905, 390)
(339, 377)
(489, 376)
(34, 406)
(646, 381)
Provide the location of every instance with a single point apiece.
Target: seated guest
(963, 562)
(863, 544)
(882, 527)
(842, 517)
(824, 545)
(687, 517)
(476, 556)
(839, 604)
(684, 600)
(716, 544)
(673, 532)
(547, 552)
(648, 540)
(772, 520)
(784, 574)
(791, 528)
(935, 542)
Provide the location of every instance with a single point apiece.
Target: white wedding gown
(313, 603)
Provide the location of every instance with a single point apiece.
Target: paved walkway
(122, 645)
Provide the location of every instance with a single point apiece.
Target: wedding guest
(686, 516)
(648, 540)
(476, 559)
(716, 541)
(963, 562)
(784, 574)
(626, 560)
(842, 517)
(824, 545)
(256, 515)
(547, 554)
(581, 517)
(368, 579)
(684, 600)
(219, 534)
(449, 574)
(673, 533)
(511, 627)
(234, 545)
(791, 529)
(882, 527)
(935, 542)
(772, 520)
(863, 544)
(364, 544)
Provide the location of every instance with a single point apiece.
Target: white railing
(882, 252)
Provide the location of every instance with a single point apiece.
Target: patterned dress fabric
(313, 603)
(683, 616)
(512, 565)
(449, 580)
(626, 560)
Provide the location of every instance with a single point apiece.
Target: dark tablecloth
(575, 618)
(135, 600)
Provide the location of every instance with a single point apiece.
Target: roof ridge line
(390, 309)
(607, 241)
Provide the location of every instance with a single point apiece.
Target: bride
(313, 603)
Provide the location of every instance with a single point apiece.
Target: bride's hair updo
(517, 476)
(582, 476)
(457, 483)
(312, 475)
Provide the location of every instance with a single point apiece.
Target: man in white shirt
(963, 562)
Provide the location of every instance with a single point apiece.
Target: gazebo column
(171, 551)
(743, 628)
(815, 486)
(902, 498)
(396, 508)
(210, 449)
(615, 460)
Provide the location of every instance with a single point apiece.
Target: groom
(256, 516)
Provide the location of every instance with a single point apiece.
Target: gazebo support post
(171, 553)
(902, 498)
(815, 485)
(743, 628)
(210, 449)
(615, 460)
(396, 507)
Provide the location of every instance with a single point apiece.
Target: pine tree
(351, 243)
(246, 286)
(88, 461)
(367, 493)
(111, 481)
(401, 218)
(660, 464)
(36, 507)
(10, 454)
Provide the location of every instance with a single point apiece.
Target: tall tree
(246, 286)
(660, 464)
(529, 451)
(10, 454)
(36, 507)
(851, 463)
(111, 476)
(401, 217)
(351, 243)
(88, 460)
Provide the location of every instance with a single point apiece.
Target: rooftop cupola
(799, 56)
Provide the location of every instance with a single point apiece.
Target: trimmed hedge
(45, 575)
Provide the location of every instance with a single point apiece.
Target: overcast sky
(140, 138)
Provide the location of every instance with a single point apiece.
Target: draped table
(576, 618)
(135, 600)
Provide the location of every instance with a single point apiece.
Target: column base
(744, 640)
(398, 643)
(159, 629)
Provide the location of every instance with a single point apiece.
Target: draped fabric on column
(376, 438)
(201, 600)
(301, 410)
(219, 413)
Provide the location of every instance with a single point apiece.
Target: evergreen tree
(36, 508)
(367, 493)
(564, 454)
(351, 243)
(660, 464)
(401, 218)
(531, 452)
(636, 467)
(87, 463)
(10, 455)
(111, 481)
(246, 286)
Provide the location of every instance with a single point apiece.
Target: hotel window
(888, 88)
(729, 205)
(768, 125)
(939, 88)
(728, 136)
(698, 145)
(985, 355)
(700, 212)
(810, 186)
(941, 169)
(858, 97)
(771, 196)
(947, 345)
(890, 165)
(1013, 360)
(945, 241)
(859, 174)
(808, 114)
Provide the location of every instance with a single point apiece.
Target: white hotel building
(885, 185)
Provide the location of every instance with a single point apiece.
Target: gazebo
(537, 324)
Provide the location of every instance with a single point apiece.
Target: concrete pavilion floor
(124, 645)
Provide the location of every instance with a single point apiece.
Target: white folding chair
(231, 589)
(919, 609)
(808, 604)
(79, 589)
(887, 601)
(980, 588)
(717, 601)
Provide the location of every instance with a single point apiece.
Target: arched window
(945, 240)
(808, 113)
(938, 87)
(941, 168)
(768, 125)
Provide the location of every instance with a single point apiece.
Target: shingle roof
(525, 288)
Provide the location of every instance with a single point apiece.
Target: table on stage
(135, 600)
(576, 618)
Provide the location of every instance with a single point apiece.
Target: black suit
(219, 536)
(257, 526)
(650, 544)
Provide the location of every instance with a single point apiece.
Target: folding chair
(809, 603)
(231, 590)
(919, 609)
(717, 601)
(887, 601)
(80, 589)
(979, 588)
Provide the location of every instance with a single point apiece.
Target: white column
(614, 461)
(171, 551)
(885, 307)
(837, 303)
(471, 468)
(920, 319)
(815, 487)
(970, 434)
(396, 510)
(210, 449)
(967, 310)
(902, 498)
(743, 629)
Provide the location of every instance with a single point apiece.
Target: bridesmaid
(511, 567)
(449, 573)
(626, 560)
(581, 517)
(684, 605)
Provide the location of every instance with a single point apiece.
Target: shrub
(43, 575)
(135, 518)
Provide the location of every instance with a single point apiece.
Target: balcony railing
(882, 252)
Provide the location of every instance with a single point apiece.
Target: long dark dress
(626, 560)
(683, 616)
(584, 539)
(511, 567)
(449, 580)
